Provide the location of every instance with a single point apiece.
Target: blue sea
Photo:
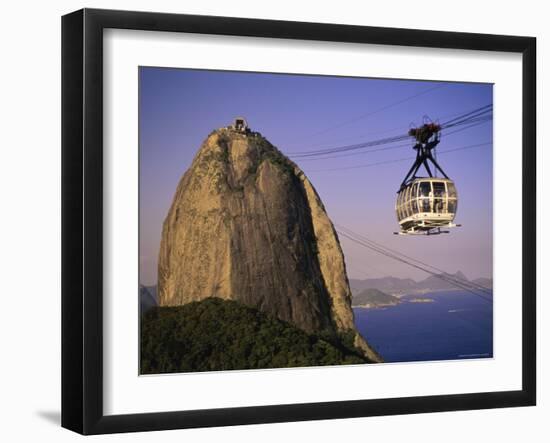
(456, 325)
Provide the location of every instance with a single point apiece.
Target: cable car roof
(429, 179)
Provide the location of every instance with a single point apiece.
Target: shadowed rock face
(246, 224)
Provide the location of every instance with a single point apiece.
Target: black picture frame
(82, 218)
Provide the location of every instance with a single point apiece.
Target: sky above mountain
(179, 108)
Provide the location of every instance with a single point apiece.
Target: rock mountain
(246, 224)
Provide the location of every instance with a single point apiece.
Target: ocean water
(456, 325)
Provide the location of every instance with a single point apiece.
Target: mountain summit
(247, 225)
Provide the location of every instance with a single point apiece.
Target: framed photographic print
(269, 221)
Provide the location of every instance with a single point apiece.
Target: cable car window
(425, 205)
(451, 190)
(452, 206)
(439, 189)
(438, 205)
(407, 198)
(409, 205)
(425, 189)
(404, 205)
(398, 206)
(415, 204)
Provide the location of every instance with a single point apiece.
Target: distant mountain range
(404, 286)
(372, 291)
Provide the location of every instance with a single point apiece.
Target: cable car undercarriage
(426, 205)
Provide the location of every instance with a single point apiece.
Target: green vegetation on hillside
(216, 334)
(374, 297)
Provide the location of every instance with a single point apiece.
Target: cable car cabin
(425, 205)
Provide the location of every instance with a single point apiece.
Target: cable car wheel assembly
(426, 205)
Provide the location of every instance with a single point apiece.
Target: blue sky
(179, 108)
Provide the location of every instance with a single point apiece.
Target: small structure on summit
(240, 125)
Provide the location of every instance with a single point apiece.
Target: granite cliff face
(247, 225)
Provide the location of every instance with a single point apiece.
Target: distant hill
(373, 298)
(146, 299)
(215, 334)
(153, 291)
(433, 283)
(384, 284)
(403, 286)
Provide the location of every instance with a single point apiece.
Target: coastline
(401, 301)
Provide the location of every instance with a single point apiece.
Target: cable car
(426, 205)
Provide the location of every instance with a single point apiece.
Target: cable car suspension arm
(427, 138)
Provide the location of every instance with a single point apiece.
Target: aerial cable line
(403, 145)
(473, 285)
(346, 148)
(462, 114)
(449, 276)
(473, 117)
(384, 131)
(457, 283)
(350, 147)
(383, 251)
(368, 165)
(349, 137)
(466, 114)
(387, 148)
(395, 257)
(376, 111)
(472, 125)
